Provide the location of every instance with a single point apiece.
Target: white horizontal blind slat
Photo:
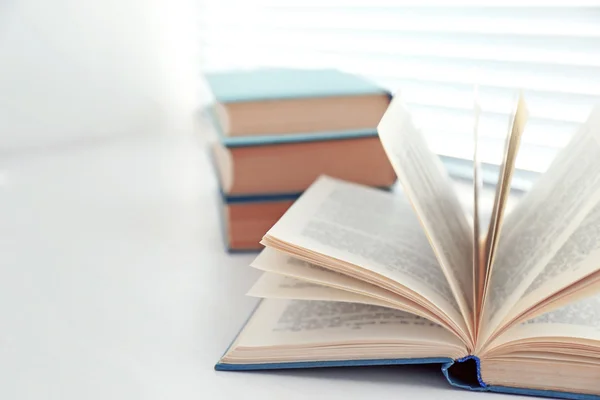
(572, 51)
(522, 21)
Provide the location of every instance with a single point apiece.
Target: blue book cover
(265, 140)
(287, 83)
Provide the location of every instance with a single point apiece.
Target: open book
(359, 276)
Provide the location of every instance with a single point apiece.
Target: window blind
(433, 56)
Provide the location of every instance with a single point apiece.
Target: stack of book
(279, 130)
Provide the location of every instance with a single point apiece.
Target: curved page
(544, 220)
(310, 331)
(573, 324)
(273, 286)
(432, 195)
(366, 232)
(275, 262)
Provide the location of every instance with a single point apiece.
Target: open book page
(430, 191)
(367, 233)
(583, 317)
(323, 330)
(273, 286)
(569, 325)
(571, 267)
(544, 220)
(513, 140)
(557, 351)
(272, 261)
(478, 265)
(582, 246)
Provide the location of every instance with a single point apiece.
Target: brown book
(246, 223)
(280, 101)
(292, 167)
(327, 114)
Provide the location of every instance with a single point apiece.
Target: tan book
(292, 167)
(358, 276)
(287, 101)
(245, 223)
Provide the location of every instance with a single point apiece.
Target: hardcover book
(245, 219)
(285, 105)
(358, 276)
(292, 167)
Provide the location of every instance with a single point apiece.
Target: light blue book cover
(271, 84)
(287, 83)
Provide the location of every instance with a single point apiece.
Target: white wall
(72, 70)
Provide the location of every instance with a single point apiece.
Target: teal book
(282, 105)
(354, 276)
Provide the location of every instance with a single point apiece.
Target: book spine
(465, 373)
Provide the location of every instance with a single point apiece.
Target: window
(433, 56)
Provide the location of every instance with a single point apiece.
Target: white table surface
(114, 284)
